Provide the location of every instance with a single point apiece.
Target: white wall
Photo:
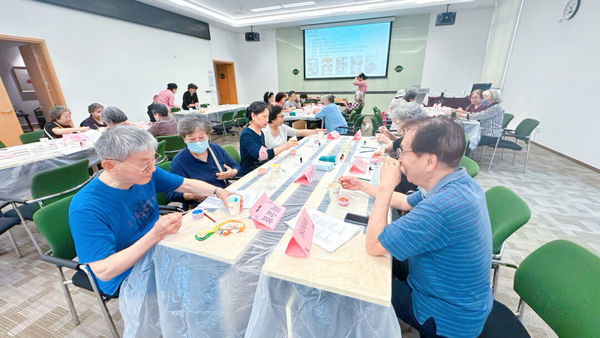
(10, 57)
(553, 77)
(455, 54)
(98, 59)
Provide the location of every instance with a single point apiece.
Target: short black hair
(160, 109)
(191, 86)
(440, 136)
(266, 96)
(330, 98)
(273, 112)
(303, 96)
(279, 96)
(171, 85)
(291, 92)
(255, 108)
(362, 75)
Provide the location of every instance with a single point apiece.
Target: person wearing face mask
(303, 98)
(253, 150)
(201, 160)
(60, 123)
(94, 121)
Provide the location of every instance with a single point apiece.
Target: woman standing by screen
(361, 81)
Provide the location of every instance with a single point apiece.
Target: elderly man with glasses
(442, 248)
(114, 219)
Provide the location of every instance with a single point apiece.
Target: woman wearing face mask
(60, 123)
(201, 160)
(253, 150)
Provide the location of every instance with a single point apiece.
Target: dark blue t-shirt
(250, 144)
(105, 220)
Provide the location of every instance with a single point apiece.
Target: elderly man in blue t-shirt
(443, 247)
(332, 116)
(114, 219)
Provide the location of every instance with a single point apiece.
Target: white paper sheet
(249, 196)
(330, 232)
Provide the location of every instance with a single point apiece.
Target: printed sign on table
(266, 214)
(333, 135)
(299, 245)
(357, 136)
(307, 175)
(359, 166)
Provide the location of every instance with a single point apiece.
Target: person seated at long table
(94, 121)
(114, 219)
(442, 249)
(253, 150)
(400, 114)
(165, 122)
(113, 116)
(277, 133)
(201, 160)
(357, 103)
(60, 123)
(332, 116)
(490, 118)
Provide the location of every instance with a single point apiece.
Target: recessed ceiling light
(265, 9)
(299, 4)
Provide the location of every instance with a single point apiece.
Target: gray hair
(113, 115)
(57, 111)
(330, 98)
(188, 125)
(360, 96)
(94, 106)
(119, 142)
(493, 94)
(411, 93)
(408, 111)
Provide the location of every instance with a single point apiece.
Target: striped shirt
(490, 120)
(447, 240)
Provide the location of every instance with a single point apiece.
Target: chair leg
(24, 222)
(495, 278)
(502, 154)
(107, 316)
(482, 152)
(526, 157)
(520, 309)
(494, 153)
(63, 285)
(14, 243)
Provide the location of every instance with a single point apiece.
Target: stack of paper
(330, 232)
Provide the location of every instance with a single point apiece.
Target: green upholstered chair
(508, 213)
(174, 145)
(160, 155)
(521, 133)
(53, 222)
(31, 137)
(471, 166)
(507, 118)
(232, 152)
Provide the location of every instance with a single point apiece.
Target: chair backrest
(227, 116)
(31, 137)
(241, 114)
(161, 198)
(376, 124)
(174, 144)
(57, 180)
(359, 109)
(2, 145)
(470, 166)
(507, 118)
(160, 149)
(508, 212)
(53, 223)
(232, 152)
(560, 281)
(525, 128)
(358, 122)
(376, 111)
(467, 140)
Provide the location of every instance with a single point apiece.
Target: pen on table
(364, 179)
(210, 218)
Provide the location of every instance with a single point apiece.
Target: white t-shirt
(285, 131)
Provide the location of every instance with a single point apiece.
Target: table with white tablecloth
(18, 164)
(212, 288)
(211, 113)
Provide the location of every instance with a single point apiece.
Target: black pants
(484, 141)
(402, 300)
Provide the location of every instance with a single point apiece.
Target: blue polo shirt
(105, 220)
(333, 118)
(447, 240)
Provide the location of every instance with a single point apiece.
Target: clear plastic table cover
(473, 130)
(15, 182)
(172, 293)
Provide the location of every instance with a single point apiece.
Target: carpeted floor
(563, 198)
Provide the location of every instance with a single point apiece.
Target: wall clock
(571, 8)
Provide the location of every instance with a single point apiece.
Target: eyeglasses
(400, 152)
(144, 169)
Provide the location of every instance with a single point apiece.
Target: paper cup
(234, 205)
(334, 189)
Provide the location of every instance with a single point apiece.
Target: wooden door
(226, 83)
(10, 127)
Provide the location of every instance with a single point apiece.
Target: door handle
(8, 111)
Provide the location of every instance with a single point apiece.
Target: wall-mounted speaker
(252, 36)
(445, 19)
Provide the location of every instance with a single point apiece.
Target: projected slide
(343, 51)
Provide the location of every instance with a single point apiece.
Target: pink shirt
(362, 85)
(167, 98)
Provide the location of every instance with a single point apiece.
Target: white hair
(119, 142)
(493, 94)
(408, 111)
